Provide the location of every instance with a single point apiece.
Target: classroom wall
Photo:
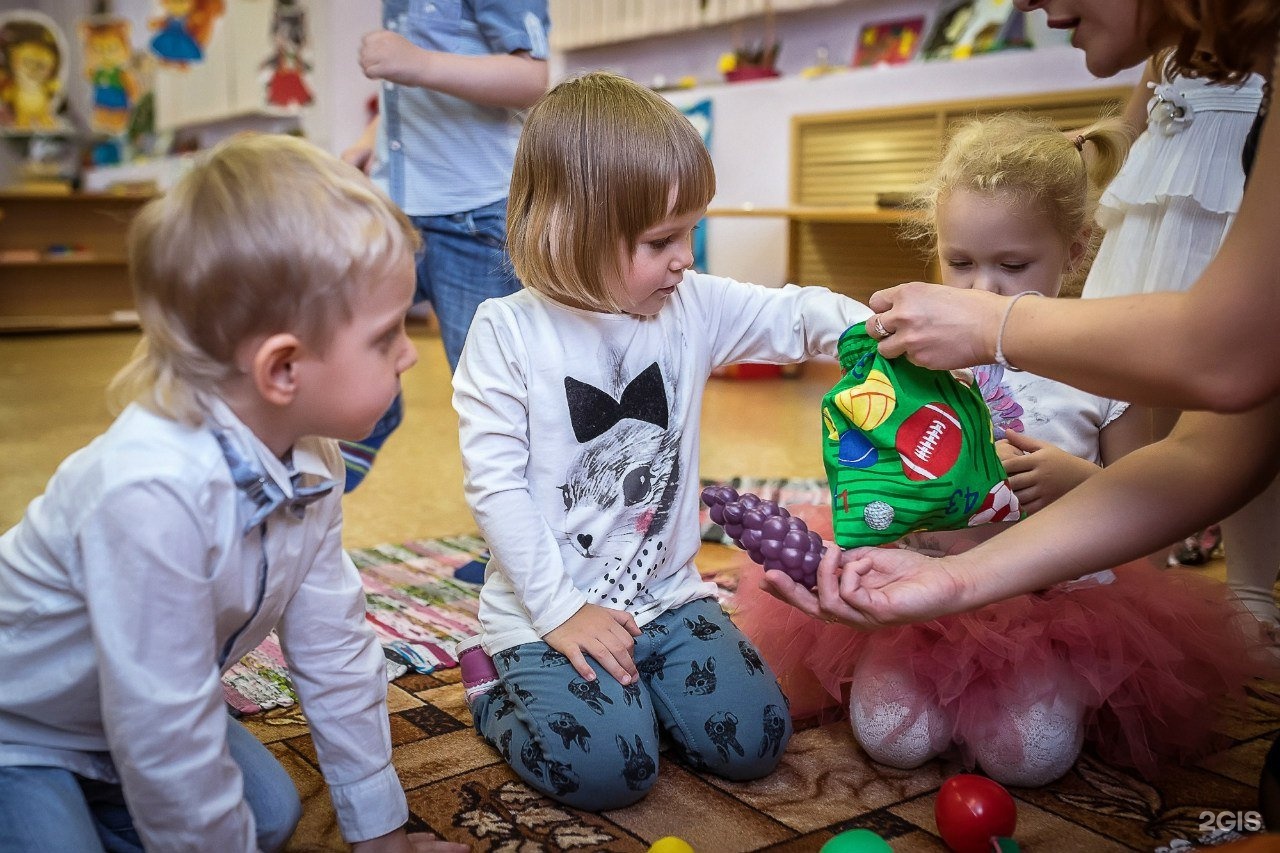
(752, 127)
(752, 121)
(340, 28)
(335, 28)
(751, 135)
(804, 36)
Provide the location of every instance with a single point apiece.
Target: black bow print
(593, 412)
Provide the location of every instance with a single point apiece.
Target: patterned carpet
(414, 603)
(460, 789)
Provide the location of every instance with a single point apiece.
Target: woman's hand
(607, 635)
(871, 587)
(1039, 472)
(936, 326)
(782, 587)
(892, 586)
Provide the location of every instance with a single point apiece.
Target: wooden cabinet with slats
(843, 164)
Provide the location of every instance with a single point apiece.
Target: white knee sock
(882, 697)
(1036, 744)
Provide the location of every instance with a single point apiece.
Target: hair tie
(1079, 143)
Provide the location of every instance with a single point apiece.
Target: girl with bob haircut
(579, 400)
(557, 215)
(272, 283)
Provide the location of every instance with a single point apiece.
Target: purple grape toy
(768, 533)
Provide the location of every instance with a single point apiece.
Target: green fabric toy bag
(907, 448)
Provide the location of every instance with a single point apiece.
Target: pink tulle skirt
(1147, 655)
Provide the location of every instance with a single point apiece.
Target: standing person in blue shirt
(456, 75)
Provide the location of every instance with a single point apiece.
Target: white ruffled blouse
(1168, 210)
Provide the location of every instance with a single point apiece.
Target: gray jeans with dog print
(594, 744)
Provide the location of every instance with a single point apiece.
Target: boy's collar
(303, 457)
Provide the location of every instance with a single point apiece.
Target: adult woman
(1213, 347)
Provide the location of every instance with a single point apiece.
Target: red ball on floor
(971, 810)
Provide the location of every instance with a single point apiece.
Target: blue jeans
(463, 262)
(594, 744)
(48, 808)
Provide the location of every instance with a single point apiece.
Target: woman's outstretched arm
(1215, 347)
(1210, 465)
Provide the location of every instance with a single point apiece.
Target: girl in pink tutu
(1129, 659)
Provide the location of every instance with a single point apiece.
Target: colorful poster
(286, 81)
(33, 73)
(964, 28)
(110, 69)
(183, 30)
(699, 116)
(888, 42)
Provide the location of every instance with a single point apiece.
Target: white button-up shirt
(119, 590)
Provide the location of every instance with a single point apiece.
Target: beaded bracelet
(1004, 321)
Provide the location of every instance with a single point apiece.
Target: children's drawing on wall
(141, 130)
(699, 116)
(967, 27)
(109, 67)
(287, 85)
(183, 30)
(888, 42)
(33, 73)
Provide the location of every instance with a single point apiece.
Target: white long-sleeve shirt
(119, 590)
(579, 435)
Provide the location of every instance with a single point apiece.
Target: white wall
(342, 89)
(752, 121)
(751, 135)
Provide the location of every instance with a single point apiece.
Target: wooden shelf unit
(89, 289)
(842, 162)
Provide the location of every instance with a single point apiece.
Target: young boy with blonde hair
(272, 283)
